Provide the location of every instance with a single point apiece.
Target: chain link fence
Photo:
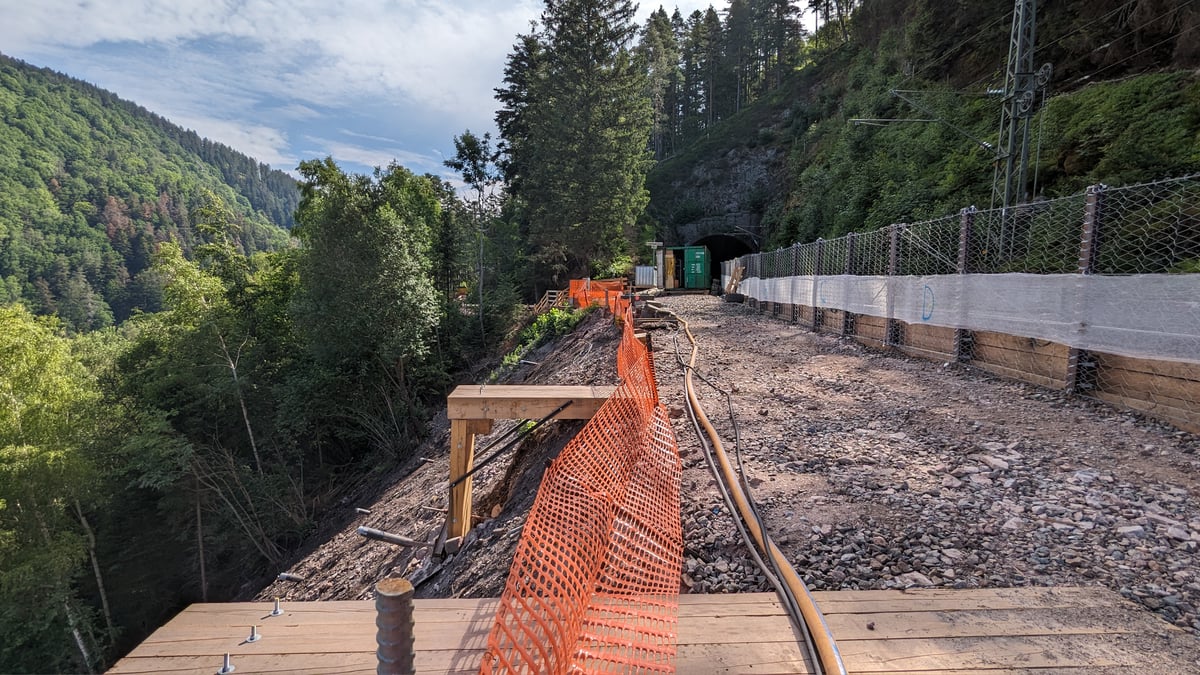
(1116, 298)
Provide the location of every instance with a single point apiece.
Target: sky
(364, 81)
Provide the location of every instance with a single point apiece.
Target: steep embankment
(1123, 106)
(411, 500)
(89, 183)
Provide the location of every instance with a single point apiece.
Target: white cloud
(265, 144)
(248, 72)
(446, 56)
(374, 156)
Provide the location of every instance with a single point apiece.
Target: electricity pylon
(1021, 87)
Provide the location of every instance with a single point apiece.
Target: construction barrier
(608, 293)
(594, 585)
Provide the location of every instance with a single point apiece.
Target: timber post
(462, 459)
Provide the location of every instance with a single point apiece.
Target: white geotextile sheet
(1153, 316)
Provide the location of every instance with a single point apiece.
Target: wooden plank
(1140, 391)
(1125, 381)
(946, 631)
(935, 655)
(1188, 420)
(872, 328)
(1183, 371)
(832, 320)
(454, 662)
(1024, 344)
(515, 402)
(740, 658)
(941, 600)
(462, 459)
(1023, 376)
(931, 338)
(979, 623)
(1023, 361)
(759, 658)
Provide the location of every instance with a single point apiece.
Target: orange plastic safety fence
(594, 584)
(604, 292)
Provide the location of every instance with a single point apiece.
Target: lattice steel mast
(1021, 85)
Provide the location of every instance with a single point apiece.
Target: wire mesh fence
(1129, 335)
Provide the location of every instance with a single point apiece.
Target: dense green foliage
(545, 326)
(190, 452)
(1106, 119)
(91, 184)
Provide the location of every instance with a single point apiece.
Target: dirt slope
(411, 500)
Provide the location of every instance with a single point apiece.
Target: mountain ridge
(90, 183)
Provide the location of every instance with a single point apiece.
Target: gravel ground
(877, 471)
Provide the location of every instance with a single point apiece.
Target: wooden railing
(551, 299)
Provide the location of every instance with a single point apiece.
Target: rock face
(876, 471)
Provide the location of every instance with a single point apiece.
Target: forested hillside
(91, 184)
(1122, 106)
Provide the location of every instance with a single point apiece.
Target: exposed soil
(411, 500)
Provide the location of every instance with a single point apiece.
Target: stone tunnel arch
(722, 247)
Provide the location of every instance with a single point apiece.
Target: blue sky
(284, 80)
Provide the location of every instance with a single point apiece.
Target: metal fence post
(894, 334)
(964, 340)
(816, 310)
(794, 302)
(1081, 368)
(394, 621)
(847, 315)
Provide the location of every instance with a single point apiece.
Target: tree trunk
(91, 537)
(72, 620)
(200, 547)
(232, 363)
(79, 641)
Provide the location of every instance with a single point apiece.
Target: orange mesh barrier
(604, 292)
(594, 584)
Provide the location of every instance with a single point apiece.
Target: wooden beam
(472, 408)
(462, 459)
(524, 402)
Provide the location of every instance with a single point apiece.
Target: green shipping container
(696, 270)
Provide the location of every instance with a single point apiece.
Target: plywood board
(1114, 377)
(930, 338)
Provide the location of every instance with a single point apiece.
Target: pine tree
(659, 50)
(575, 124)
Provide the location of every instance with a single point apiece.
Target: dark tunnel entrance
(722, 247)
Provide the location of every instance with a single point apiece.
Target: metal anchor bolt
(254, 636)
(277, 611)
(226, 666)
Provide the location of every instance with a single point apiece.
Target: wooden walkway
(948, 632)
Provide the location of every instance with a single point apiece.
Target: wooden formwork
(1167, 390)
